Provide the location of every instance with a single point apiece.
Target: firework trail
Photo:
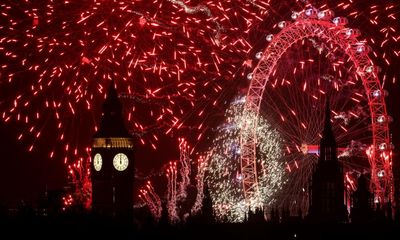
(201, 170)
(152, 200)
(184, 170)
(172, 194)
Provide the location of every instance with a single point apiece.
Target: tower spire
(112, 105)
(112, 123)
(328, 133)
(328, 141)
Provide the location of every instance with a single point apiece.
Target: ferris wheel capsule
(371, 69)
(379, 93)
(282, 24)
(340, 21)
(376, 93)
(384, 119)
(311, 12)
(326, 15)
(352, 32)
(362, 48)
(381, 119)
(383, 146)
(295, 15)
(269, 37)
(250, 76)
(259, 55)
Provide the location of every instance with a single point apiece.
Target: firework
(184, 170)
(201, 169)
(224, 176)
(172, 194)
(180, 175)
(151, 199)
(175, 64)
(379, 23)
(59, 56)
(79, 174)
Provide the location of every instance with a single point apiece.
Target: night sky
(25, 175)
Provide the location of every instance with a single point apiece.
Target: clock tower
(112, 167)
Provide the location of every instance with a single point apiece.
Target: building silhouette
(50, 202)
(327, 185)
(362, 210)
(112, 167)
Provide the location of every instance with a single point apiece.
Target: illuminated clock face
(120, 162)
(97, 162)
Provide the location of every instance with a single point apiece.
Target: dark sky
(24, 175)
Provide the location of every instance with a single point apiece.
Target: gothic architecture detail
(327, 186)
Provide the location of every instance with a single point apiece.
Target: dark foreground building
(362, 210)
(327, 187)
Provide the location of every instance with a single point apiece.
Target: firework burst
(224, 177)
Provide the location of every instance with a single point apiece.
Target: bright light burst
(223, 177)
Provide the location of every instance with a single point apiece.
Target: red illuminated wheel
(314, 56)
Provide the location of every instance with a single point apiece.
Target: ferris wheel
(313, 58)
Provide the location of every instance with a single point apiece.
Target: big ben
(112, 167)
